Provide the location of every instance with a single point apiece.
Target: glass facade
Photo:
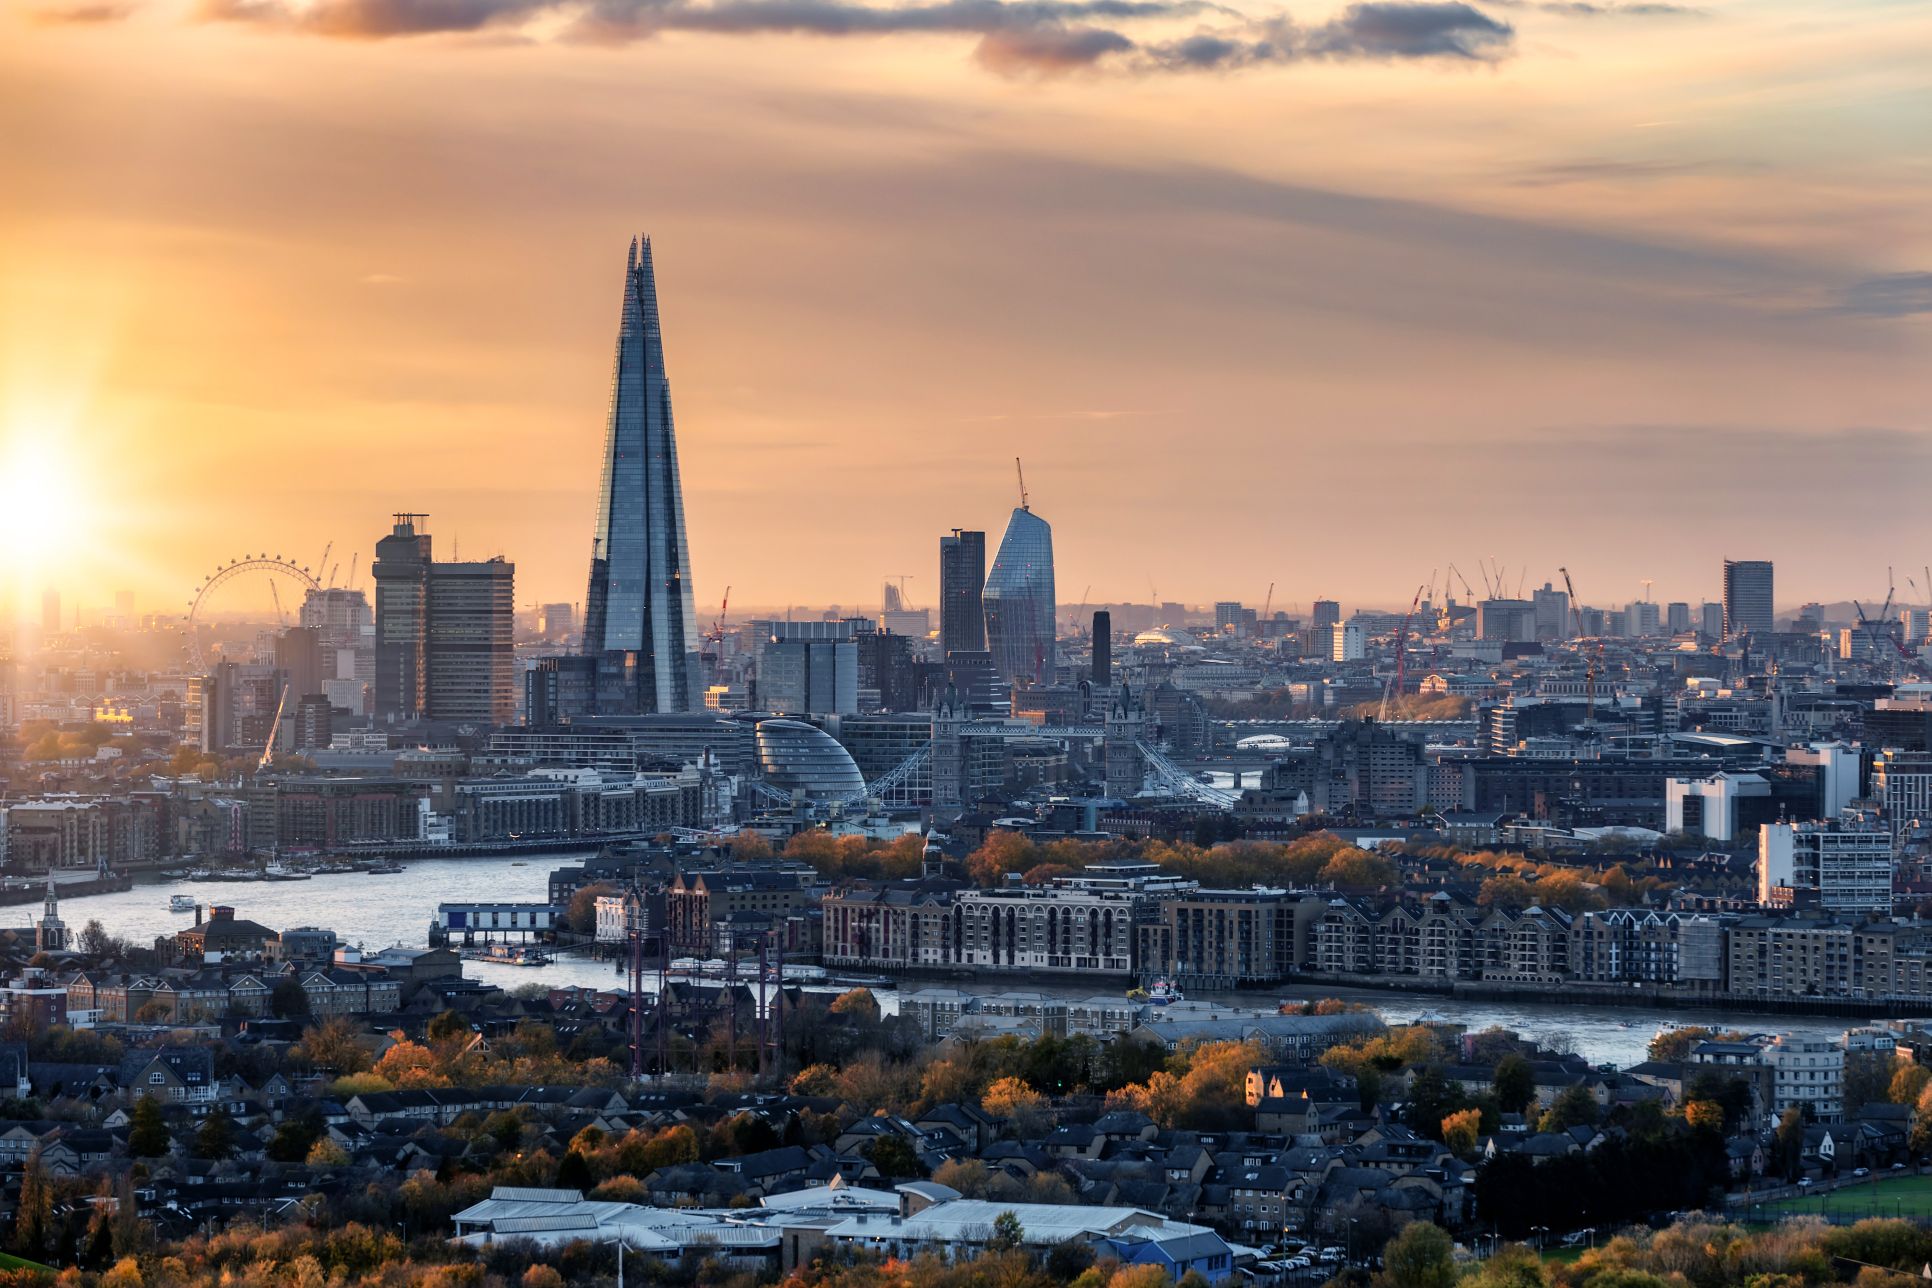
(638, 617)
(1019, 601)
(962, 578)
(795, 756)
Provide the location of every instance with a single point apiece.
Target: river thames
(375, 912)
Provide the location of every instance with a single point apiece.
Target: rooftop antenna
(1022, 473)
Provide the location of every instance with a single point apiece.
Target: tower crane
(717, 627)
(1401, 658)
(1592, 662)
(274, 728)
(1017, 469)
(1269, 602)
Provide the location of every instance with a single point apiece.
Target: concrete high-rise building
(1845, 864)
(1643, 618)
(1510, 621)
(962, 579)
(1552, 612)
(1103, 649)
(1349, 641)
(1710, 620)
(556, 622)
(1227, 616)
(401, 571)
(444, 632)
(639, 624)
(1020, 603)
(1747, 597)
(1326, 612)
(1677, 617)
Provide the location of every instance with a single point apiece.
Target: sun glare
(42, 503)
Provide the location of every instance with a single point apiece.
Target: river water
(378, 911)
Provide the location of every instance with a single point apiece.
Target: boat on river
(181, 903)
(507, 955)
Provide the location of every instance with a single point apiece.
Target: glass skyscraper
(1019, 601)
(1747, 597)
(962, 580)
(639, 626)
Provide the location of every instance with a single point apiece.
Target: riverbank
(19, 890)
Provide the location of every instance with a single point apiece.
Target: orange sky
(1628, 290)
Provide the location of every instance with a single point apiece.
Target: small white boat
(181, 903)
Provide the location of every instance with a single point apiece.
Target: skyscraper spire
(639, 623)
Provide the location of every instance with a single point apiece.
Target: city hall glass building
(639, 627)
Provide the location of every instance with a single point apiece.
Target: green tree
(288, 1001)
(148, 1133)
(895, 1157)
(1574, 1107)
(574, 1172)
(1515, 1083)
(1007, 1232)
(216, 1138)
(1421, 1256)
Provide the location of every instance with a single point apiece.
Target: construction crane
(1022, 473)
(1401, 659)
(274, 728)
(281, 617)
(717, 627)
(1591, 662)
(1467, 589)
(1269, 602)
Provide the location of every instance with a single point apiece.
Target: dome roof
(1165, 635)
(796, 756)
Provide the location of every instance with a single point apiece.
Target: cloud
(1016, 37)
(84, 15)
(1594, 9)
(1045, 50)
(1896, 295)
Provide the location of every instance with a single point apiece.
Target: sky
(1325, 297)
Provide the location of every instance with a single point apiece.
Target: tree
(894, 1157)
(216, 1138)
(1421, 1256)
(1012, 1099)
(1705, 1115)
(858, 1003)
(1515, 1083)
(148, 1134)
(574, 1172)
(1908, 1084)
(1868, 1077)
(1789, 1143)
(288, 1001)
(325, 1153)
(1574, 1107)
(1459, 1131)
(1007, 1232)
(335, 1045)
(34, 1215)
(1432, 1098)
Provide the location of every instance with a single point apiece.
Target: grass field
(10, 1262)
(1884, 1196)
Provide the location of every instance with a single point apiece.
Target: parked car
(1861, 1171)
(1805, 1182)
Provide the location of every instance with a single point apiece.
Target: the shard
(1019, 602)
(639, 626)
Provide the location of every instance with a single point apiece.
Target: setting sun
(42, 502)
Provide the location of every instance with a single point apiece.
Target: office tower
(1677, 618)
(342, 618)
(1019, 601)
(50, 611)
(1552, 612)
(639, 624)
(1103, 648)
(1844, 864)
(1747, 596)
(444, 632)
(1710, 620)
(809, 668)
(1326, 613)
(1644, 618)
(901, 618)
(1347, 642)
(402, 618)
(1227, 616)
(1509, 621)
(298, 656)
(887, 668)
(471, 654)
(555, 622)
(962, 577)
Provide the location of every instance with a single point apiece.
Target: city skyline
(1212, 311)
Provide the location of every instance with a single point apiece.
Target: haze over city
(1623, 287)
